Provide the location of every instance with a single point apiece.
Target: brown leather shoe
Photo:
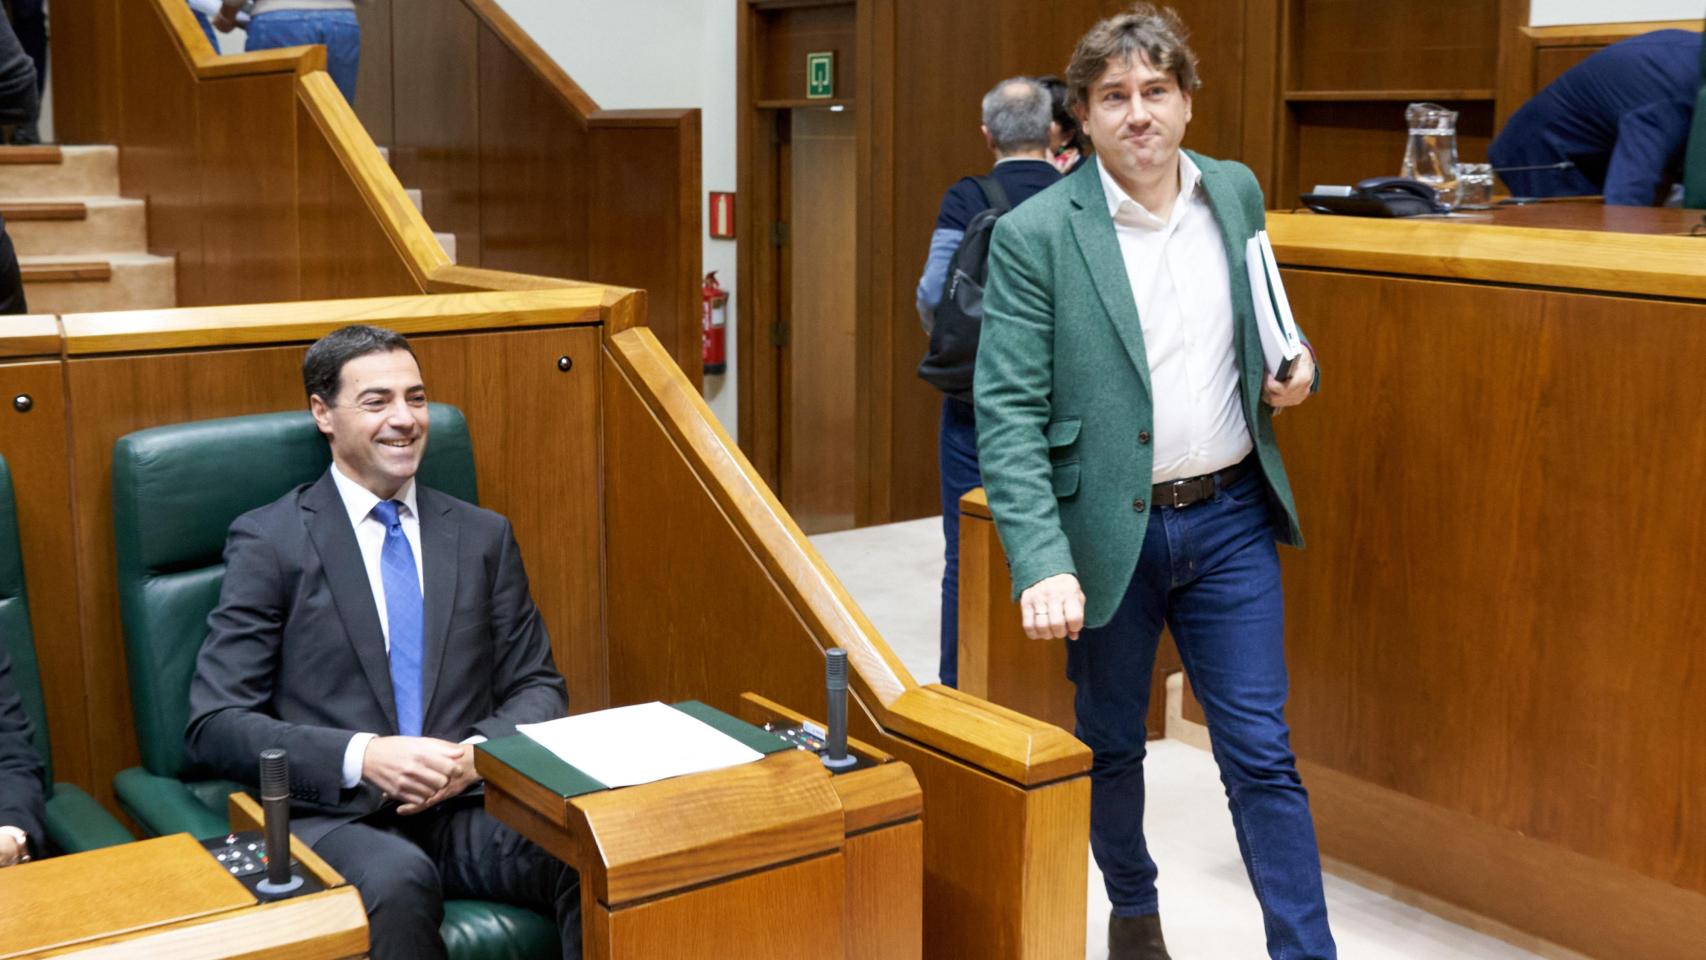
(1136, 938)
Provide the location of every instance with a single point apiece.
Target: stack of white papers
(623, 746)
(1281, 343)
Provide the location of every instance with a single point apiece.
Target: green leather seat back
(15, 629)
(176, 490)
(1694, 165)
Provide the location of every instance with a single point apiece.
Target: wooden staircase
(81, 247)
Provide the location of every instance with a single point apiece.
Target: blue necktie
(403, 616)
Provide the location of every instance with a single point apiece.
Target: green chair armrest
(162, 805)
(483, 930)
(75, 822)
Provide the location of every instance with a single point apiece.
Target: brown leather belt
(1191, 490)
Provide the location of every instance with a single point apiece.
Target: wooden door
(818, 390)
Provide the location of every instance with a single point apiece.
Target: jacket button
(1143, 437)
(1137, 505)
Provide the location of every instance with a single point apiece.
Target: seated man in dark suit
(325, 643)
(21, 812)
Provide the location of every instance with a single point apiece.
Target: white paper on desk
(624, 746)
(1280, 339)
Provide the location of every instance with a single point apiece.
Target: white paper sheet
(624, 746)
(1280, 339)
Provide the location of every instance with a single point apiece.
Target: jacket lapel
(346, 578)
(1093, 228)
(440, 535)
(1235, 231)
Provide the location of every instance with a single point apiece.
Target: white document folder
(624, 746)
(1281, 343)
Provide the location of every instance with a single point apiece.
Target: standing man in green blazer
(1125, 427)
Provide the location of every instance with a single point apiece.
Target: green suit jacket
(1062, 386)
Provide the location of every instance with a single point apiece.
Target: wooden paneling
(85, 47)
(344, 250)
(792, 32)
(819, 447)
(248, 208)
(436, 115)
(158, 161)
(644, 230)
(519, 403)
(750, 911)
(1351, 45)
(34, 445)
(533, 194)
(1480, 643)
(374, 87)
(1592, 908)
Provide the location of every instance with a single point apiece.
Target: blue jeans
(1211, 574)
(957, 453)
(336, 30)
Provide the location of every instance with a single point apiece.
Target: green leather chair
(75, 822)
(176, 490)
(1694, 165)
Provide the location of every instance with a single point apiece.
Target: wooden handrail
(1000, 741)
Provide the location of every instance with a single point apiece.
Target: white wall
(658, 53)
(1547, 13)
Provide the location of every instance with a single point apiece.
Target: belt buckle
(1173, 490)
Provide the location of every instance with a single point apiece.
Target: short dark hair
(323, 364)
(1159, 34)
(1063, 115)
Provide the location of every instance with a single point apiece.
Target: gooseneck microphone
(275, 815)
(835, 740)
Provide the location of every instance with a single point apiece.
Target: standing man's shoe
(1136, 938)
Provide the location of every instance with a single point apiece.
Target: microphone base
(840, 765)
(270, 889)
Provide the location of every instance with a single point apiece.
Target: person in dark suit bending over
(21, 789)
(1124, 423)
(375, 629)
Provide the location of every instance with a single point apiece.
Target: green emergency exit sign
(820, 75)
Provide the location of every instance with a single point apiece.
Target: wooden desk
(773, 859)
(167, 898)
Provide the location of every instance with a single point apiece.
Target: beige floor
(894, 573)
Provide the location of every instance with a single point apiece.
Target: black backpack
(952, 357)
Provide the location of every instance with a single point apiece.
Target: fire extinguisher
(714, 325)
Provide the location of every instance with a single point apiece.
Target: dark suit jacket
(20, 766)
(295, 657)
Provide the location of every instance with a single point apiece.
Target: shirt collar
(359, 501)
(1189, 177)
(1003, 160)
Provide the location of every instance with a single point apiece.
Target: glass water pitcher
(1431, 154)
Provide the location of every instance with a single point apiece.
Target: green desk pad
(548, 770)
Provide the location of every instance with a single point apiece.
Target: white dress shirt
(370, 537)
(1181, 283)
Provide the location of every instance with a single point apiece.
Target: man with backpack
(1016, 118)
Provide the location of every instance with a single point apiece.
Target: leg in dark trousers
(405, 867)
(957, 451)
(399, 885)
